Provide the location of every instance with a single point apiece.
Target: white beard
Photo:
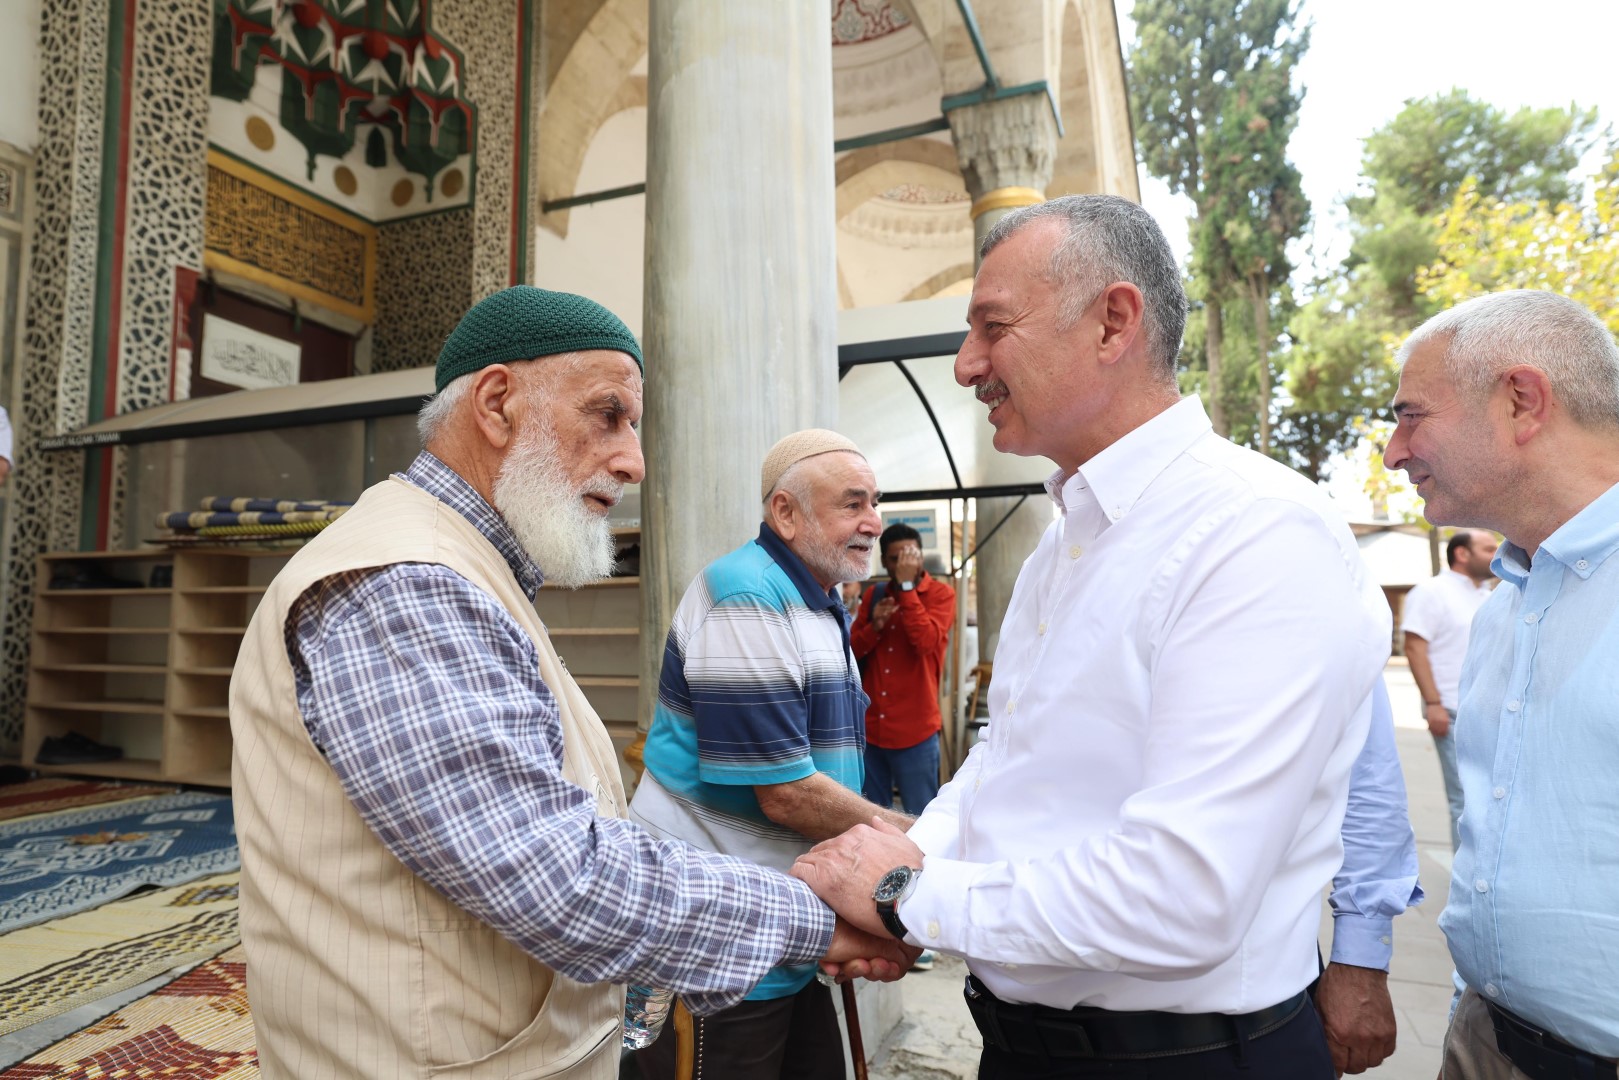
(832, 561)
(571, 545)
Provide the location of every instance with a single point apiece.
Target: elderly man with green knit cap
(437, 876)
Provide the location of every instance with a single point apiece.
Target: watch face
(892, 884)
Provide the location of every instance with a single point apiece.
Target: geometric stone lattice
(486, 33)
(424, 286)
(163, 208)
(46, 488)
(9, 182)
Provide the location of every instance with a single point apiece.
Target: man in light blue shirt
(1377, 882)
(1509, 418)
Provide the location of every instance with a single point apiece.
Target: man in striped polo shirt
(757, 745)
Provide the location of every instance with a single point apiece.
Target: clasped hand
(844, 871)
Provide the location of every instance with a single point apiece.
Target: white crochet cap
(795, 448)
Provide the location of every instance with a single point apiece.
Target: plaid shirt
(477, 806)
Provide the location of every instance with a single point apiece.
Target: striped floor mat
(197, 1027)
(51, 969)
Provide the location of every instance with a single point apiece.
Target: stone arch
(944, 279)
(1097, 151)
(938, 153)
(589, 86)
(884, 175)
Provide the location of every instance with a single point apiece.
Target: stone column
(1006, 149)
(741, 285)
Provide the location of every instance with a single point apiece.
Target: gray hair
(1486, 335)
(430, 420)
(1108, 239)
(795, 482)
(438, 409)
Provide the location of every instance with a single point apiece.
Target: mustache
(605, 489)
(989, 391)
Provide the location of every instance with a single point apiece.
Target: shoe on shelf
(925, 961)
(75, 749)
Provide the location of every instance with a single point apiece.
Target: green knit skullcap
(523, 323)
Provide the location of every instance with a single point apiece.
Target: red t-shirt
(900, 667)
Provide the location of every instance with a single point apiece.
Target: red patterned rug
(197, 1026)
(50, 795)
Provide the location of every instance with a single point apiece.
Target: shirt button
(1075, 552)
(1581, 565)
(978, 782)
(1117, 513)
(1512, 706)
(1385, 939)
(1492, 989)
(1481, 885)
(1011, 707)
(1042, 628)
(933, 928)
(1499, 793)
(1532, 618)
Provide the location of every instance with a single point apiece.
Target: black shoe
(73, 749)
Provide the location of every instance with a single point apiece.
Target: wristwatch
(895, 886)
(906, 586)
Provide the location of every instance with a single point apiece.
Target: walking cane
(851, 1017)
(685, 1054)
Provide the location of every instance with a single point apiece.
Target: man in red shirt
(899, 638)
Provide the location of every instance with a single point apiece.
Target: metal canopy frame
(897, 351)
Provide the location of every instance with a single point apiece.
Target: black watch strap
(887, 912)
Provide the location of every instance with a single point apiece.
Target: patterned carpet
(51, 795)
(48, 970)
(196, 1027)
(58, 864)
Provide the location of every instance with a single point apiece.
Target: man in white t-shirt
(1437, 619)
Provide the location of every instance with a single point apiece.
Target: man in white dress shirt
(1132, 860)
(1437, 619)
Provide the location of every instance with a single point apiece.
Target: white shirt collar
(1117, 477)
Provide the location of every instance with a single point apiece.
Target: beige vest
(356, 967)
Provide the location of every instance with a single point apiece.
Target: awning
(926, 437)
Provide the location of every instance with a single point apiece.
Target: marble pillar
(1006, 149)
(741, 284)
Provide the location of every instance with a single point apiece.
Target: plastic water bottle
(645, 1010)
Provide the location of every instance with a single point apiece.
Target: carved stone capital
(1007, 143)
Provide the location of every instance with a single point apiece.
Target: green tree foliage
(1449, 155)
(1338, 374)
(1211, 86)
(1414, 166)
(1256, 205)
(1486, 243)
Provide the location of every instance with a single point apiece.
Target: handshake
(844, 872)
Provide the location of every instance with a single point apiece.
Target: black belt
(1541, 1054)
(1084, 1032)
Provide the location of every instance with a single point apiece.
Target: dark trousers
(793, 1037)
(914, 770)
(1295, 1051)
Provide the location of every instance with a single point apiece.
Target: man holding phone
(899, 638)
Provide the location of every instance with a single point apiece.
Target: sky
(1367, 57)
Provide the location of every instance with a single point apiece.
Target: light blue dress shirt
(1379, 876)
(1533, 918)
